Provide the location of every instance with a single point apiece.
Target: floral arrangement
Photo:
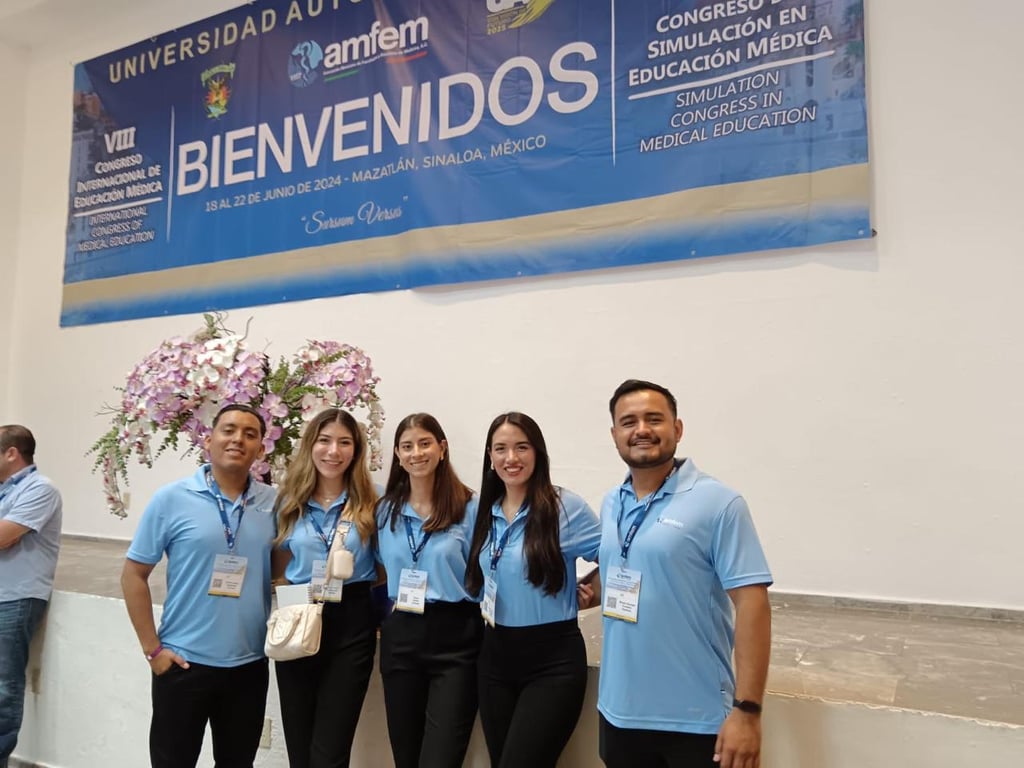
(175, 391)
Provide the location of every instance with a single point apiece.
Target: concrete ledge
(911, 610)
(88, 706)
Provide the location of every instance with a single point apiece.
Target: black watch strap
(750, 707)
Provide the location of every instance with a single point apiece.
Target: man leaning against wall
(30, 519)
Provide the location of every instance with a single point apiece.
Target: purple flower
(174, 392)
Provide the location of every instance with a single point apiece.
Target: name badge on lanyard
(320, 587)
(622, 594)
(412, 582)
(412, 591)
(228, 569)
(488, 606)
(622, 585)
(228, 575)
(490, 598)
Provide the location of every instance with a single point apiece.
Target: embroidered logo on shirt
(674, 523)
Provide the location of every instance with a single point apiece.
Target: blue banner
(305, 148)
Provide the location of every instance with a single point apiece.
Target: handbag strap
(341, 530)
(338, 541)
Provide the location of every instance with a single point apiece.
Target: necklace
(326, 499)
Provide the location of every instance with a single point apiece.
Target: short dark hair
(244, 409)
(639, 385)
(17, 436)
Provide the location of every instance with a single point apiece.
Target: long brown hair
(300, 482)
(542, 546)
(450, 495)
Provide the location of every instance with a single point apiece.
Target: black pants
(532, 684)
(231, 699)
(322, 695)
(428, 667)
(630, 747)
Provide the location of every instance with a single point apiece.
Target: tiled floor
(902, 656)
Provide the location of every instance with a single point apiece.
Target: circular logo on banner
(304, 63)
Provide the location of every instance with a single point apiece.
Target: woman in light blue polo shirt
(430, 642)
(533, 665)
(328, 493)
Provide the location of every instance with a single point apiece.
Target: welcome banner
(305, 148)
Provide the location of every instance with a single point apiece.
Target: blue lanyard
(328, 540)
(412, 541)
(631, 533)
(498, 545)
(13, 481)
(229, 535)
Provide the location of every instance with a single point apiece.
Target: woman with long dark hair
(430, 642)
(528, 534)
(327, 493)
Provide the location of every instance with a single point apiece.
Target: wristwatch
(750, 707)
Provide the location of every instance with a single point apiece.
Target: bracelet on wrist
(744, 705)
(154, 653)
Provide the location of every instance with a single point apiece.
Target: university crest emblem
(217, 81)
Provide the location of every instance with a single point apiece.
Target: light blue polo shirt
(306, 546)
(30, 499)
(183, 521)
(519, 603)
(443, 558)
(672, 670)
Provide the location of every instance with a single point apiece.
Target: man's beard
(663, 455)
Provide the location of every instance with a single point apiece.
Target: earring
(492, 466)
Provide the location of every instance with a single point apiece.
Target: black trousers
(322, 695)
(532, 683)
(428, 668)
(233, 701)
(631, 747)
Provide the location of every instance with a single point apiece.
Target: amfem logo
(218, 92)
(396, 44)
(512, 14)
(304, 63)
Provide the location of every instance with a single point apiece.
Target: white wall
(12, 96)
(866, 397)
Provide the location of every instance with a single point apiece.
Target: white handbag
(293, 632)
(340, 562)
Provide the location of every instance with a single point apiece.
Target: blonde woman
(328, 492)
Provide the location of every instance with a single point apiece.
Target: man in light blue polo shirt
(678, 553)
(216, 528)
(30, 518)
